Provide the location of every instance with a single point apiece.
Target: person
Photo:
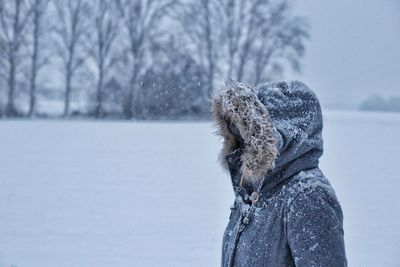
(285, 212)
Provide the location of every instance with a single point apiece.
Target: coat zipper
(243, 221)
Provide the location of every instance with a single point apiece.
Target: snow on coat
(285, 212)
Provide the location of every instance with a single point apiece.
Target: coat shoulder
(309, 182)
(314, 224)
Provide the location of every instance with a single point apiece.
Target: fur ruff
(239, 104)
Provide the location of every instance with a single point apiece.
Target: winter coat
(285, 212)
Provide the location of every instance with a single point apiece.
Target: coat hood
(281, 126)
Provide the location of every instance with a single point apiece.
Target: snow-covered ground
(152, 194)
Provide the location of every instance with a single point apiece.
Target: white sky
(354, 50)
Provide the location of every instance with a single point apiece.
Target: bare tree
(106, 24)
(239, 30)
(14, 16)
(3, 48)
(260, 36)
(282, 41)
(200, 23)
(244, 40)
(72, 31)
(141, 19)
(38, 60)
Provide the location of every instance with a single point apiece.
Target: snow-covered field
(152, 194)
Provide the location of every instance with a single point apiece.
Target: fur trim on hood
(238, 103)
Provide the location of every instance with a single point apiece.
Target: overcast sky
(354, 50)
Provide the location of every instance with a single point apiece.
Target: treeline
(138, 58)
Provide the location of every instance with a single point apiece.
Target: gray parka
(285, 212)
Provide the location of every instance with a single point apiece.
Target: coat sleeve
(315, 229)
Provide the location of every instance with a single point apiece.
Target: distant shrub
(378, 103)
